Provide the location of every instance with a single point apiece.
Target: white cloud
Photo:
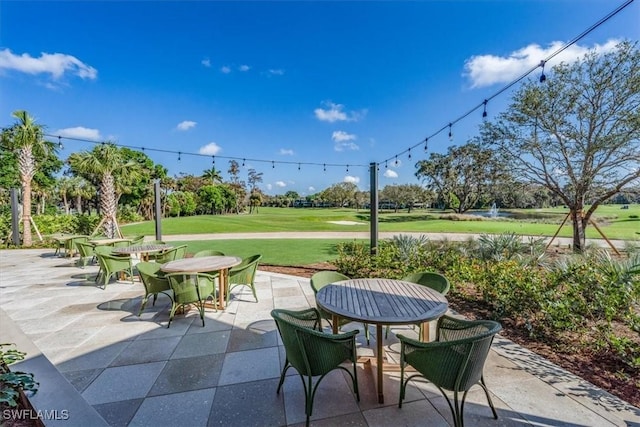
(390, 173)
(211, 149)
(354, 179)
(269, 186)
(311, 189)
(486, 70)
(206, 62)
(334, 113)
(342, 146)
(286, 152)
(276, 72)
(244, 68)
(56, 64)
(80, 133)
(186, 125)
(225, 70)
(340, 136)
(280, 184)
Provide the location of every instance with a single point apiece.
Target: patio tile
(123, 383)
(145, 351)
(80, 359)
(119, 414)
(202, 344)
(189, 408)
(260, 334)
(418, 414)
(236, 405)
(333, 397)
(250, 365)
(192, 373)
(81, 379)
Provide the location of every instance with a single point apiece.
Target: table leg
(223, 279)
(380, 357)
(334, 323)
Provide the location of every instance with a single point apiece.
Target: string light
(347, 168)
(426, 141)
(385, 165)
(324, 167)
(450, 133)
(213, 161)
(242, 162)
(409, 156)
(542, 76)
(179, 153)
(484, 112)
(396, 161)
(273, 165)
(298, 166)
(59, 142)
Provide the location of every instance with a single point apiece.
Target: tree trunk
(79, 204)
(578, 231)
(108, 205)
(27, 169)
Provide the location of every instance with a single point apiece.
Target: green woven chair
(171, 254)
(430, 279)
(244, 274)
(111, 264)
(313, 353)
(154, 282)
(70, 244)
(323, 278)
(208, 252)
(87, 255)
(453, 362)
(121, 244)
(136, 240)
(190, 288)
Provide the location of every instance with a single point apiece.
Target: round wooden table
(143, 250)
(381, 302)
(222, 264)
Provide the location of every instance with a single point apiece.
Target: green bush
(12, 382)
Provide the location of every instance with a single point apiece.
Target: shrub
(12, 382)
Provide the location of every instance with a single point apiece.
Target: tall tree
(238, 186)
(578, 133)
(212, 175)
(26, 137)
(463, 177)
(106, 163)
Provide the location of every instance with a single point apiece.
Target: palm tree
(27, 137)
(107, 165)
(212, 174)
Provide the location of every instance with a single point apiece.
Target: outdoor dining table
(205, 264)
(106, 241)
(381, 302)
(143, 250)
(62, 239)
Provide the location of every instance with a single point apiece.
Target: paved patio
(98, 363)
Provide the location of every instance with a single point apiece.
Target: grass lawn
(619, 224)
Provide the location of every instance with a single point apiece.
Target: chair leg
(486, 392)
(144, 302)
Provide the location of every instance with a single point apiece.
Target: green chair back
(111, 264)
(122, 244)
(313, 353)
(136, 240)
(208, 252)
(453, 362)
(244, 274)
(154, 282)
(430, 279)
(85, 249)
(191, 288)
(70, 244)
(171, 254)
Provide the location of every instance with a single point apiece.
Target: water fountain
(493, 211)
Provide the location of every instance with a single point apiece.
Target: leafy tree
(463, 176)
(404, 195)
(578, 133)
(182, 203)
(26, 139)
(255, 200)
(238, 186)
(107, 165)
(340, 194)
(211, 199)
(140, 191)
(254, 179)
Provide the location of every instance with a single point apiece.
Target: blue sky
(345, 83)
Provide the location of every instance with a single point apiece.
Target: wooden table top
(106, 241)
(382, 301)
(201, 264)
(139, 249)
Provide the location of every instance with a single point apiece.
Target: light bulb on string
(347, 168)
(409, 156)
(542, 76)
(484, 112)
(385, 165)
(324, 167)
(426, 141)
(242, 162)
(213, 162)
(273, 165)
(59, 142)
(298, 166)
(179, 158)
(450, 133)
(396, 161)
